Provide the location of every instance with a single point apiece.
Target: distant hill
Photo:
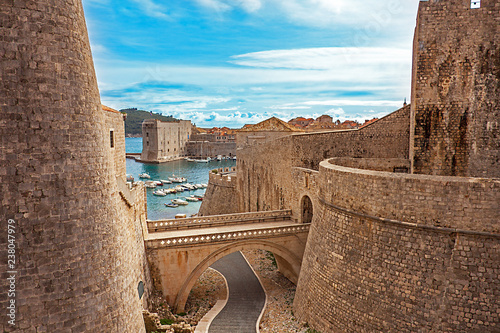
(133, 123)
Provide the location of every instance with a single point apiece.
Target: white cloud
(215, 5)
(326, 58)
(356, 102)
(220, 6)
(365, 14)
(152, 9)
(288, 107)
(250, 5)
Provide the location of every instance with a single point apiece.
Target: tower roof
(271, 125)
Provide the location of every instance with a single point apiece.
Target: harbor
(194, 174)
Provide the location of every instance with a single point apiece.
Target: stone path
(246, 297)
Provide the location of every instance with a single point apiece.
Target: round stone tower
(58, 187)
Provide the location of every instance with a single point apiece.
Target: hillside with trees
(133, 123)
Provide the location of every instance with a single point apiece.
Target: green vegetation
(182, 314)
(166, 321)
(133, 123)
(310, 330)
(270, 256)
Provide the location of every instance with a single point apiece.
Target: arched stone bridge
(180, 250)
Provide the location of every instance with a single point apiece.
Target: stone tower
(78, 263)
(456, 89)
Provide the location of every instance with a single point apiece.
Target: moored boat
(159, 193)
(144, 176)
(150, 184)
(171, 205)
(179, 202)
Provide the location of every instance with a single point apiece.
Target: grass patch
(166, 321)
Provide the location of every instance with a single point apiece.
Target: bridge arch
(286, 259)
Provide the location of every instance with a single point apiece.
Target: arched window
(307, 210)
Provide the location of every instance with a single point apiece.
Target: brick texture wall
(78, 257)
(456, 89)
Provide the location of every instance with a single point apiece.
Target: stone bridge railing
(212, 238)
(218, 220)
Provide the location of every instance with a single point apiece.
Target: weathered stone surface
(79, 248)
(221, 196)
(163, 141)
(456, 89)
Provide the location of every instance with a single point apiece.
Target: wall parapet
(228, 236)
(408, 224)
(441, 201)
(224, 177)
(216, 220)
(400, 165)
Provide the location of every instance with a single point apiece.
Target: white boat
(204, 185)
(219, 157)
(198, 186)
(159, 193)
(171, 205)
(144, 175)
(164, 181)
(191, 198)
(170, 190)
(150, 185)
(179, 202)
(158, 182)
(175, 179)
(179, 188)
(203, 161)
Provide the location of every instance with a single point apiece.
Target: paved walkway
(246, 297)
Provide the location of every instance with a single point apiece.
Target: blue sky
(236, 62)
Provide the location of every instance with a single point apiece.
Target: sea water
(195, 173)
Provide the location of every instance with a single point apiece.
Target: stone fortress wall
(163, 141)
(79, 248)
(204, 149)
(115, 122)
(455, 89)
(221, 196)
(265, 180)
(401, 253)
(389, 250)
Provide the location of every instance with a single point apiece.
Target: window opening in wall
(475, 4)
(112, 138)
(140, 289)
(307, 210)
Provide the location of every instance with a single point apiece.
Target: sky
(235, 62)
